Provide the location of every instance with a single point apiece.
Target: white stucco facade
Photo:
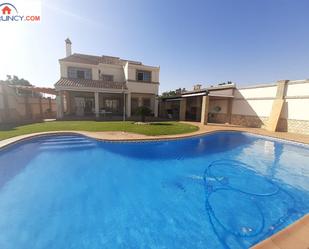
(257, 100)
(108, 75)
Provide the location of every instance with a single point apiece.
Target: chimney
(68, 47)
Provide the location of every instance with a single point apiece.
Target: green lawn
(153, 129)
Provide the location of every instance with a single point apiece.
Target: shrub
(143, 112)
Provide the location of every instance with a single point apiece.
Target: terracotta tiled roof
(80, 58)
(80, 83)
(95, 60)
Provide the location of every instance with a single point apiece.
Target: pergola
(35, 89)
(205, 95)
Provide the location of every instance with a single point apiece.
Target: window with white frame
(79, 73)
(144, 76)
(112, 105)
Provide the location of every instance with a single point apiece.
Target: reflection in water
(269, 147)
(181, 148)
(283, 161)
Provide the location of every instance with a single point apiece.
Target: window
(140, 76)
(79, 73)
(112, 105)
(143, 76)
(107, 77)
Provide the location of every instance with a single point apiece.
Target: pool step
(66, 142)
(295, 236)
(60, 139)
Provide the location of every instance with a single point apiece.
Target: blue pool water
(224, 190)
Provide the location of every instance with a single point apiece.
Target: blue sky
(207, 41)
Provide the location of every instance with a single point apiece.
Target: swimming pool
(223, 190)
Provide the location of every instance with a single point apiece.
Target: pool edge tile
(292, 237)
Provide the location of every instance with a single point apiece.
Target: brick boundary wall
(284, 125)
(219, 118)
(249, 121)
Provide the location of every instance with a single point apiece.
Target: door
(89, 106)
(80, 106)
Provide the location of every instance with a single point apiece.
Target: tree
(143, 111)
(169, 94)
(174, 93)
(14, 80)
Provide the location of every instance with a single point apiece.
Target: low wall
(249, 120)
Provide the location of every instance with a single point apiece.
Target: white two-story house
(104, 86)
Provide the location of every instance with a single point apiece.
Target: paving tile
(288, 240)
(295, 236)
(266, 244)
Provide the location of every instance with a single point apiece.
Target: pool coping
(119, 136)
(293, 236)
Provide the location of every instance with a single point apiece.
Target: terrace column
(59, 100)
(182, 109)
(277, 106)
(229, 110)
(128, 105)
(68, 102)
(204, 112)
(96, 104)
(156, 107)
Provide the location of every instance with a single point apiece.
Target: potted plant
(143, 112)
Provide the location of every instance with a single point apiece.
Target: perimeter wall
(16, 108)
(252, 106)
